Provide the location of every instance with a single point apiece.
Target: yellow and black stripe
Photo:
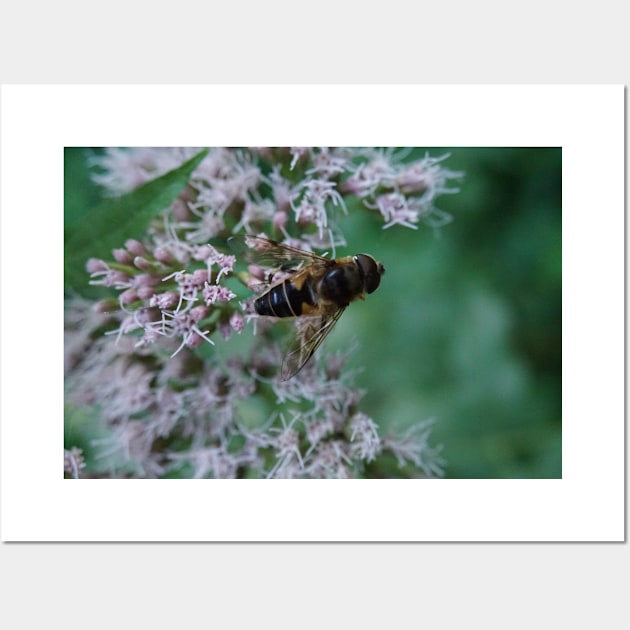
(288, 299)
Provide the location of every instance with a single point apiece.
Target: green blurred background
(466, 325)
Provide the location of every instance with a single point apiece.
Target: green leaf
(114, 221)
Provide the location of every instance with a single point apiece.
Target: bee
(312, 289)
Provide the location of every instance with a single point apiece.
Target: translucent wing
(267, 253)
(311, 331)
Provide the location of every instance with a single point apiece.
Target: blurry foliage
(466, 325)
(95, 230)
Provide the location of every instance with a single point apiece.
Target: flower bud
(135, 247)
(122, 256)
(94, 265)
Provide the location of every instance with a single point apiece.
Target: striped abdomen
(287, 299)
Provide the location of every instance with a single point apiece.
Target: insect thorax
(341, 285)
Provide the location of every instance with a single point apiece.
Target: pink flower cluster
(180, 416)
(160, 302)
(170, 407)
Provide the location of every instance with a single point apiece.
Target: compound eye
(371, 271)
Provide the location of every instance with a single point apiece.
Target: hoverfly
(313, 289)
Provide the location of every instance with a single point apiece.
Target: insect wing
(311, 331)
(267, 253)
